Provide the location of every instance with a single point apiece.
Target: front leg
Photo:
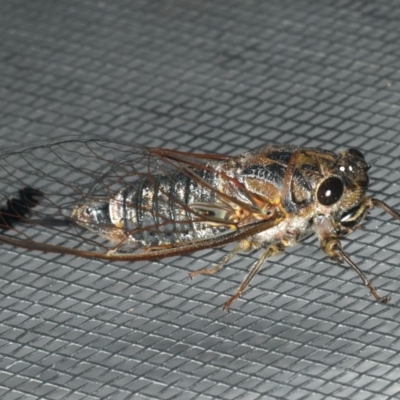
(333, 248)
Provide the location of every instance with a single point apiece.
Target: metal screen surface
(208, 76)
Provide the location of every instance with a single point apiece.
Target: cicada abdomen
(117, 201)
(160, 211)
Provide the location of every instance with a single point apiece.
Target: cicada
(117, 201)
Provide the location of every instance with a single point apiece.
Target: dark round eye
(356, 153)
(330, 191)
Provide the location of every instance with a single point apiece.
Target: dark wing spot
(18, 208)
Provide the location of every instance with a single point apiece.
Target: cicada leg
(385, 207)
(333, 248)
(114, 250)
(211, 271)
(269, 252)
(159, 247)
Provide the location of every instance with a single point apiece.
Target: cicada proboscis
(111, 200)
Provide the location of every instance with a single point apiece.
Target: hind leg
(272, 250)
(219, 266)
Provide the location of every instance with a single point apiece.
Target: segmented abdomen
(150, 211)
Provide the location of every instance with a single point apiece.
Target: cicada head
(342, 190)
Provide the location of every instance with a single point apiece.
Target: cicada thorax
(299, 180)
(281, 176)
(158, 210)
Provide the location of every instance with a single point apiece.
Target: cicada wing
(42, 186)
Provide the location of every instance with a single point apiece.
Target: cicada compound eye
(330, 191)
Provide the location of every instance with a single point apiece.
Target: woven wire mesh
(210, 76)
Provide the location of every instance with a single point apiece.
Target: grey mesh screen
(209, 76)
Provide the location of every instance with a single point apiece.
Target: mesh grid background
(212, 76)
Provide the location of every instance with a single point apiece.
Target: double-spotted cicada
(118, 201)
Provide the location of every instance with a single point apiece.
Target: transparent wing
(42, 186)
